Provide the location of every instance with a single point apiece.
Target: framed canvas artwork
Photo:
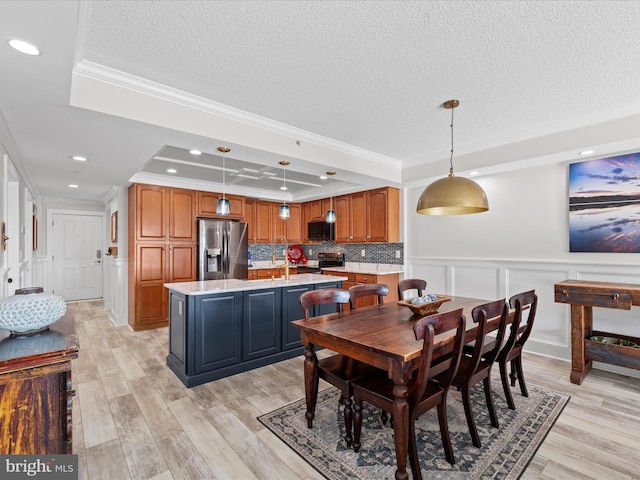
(604, 205)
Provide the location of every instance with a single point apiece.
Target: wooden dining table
(382, 336)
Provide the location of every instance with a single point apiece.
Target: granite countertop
(235, 285)
(368, 268)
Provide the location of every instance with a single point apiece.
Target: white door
(77, 256)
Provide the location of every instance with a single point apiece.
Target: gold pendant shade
(452, 196)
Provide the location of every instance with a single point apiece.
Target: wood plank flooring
(133, 419)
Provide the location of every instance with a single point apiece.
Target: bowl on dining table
(428, 307)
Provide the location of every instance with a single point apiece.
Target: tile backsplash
(373, 252)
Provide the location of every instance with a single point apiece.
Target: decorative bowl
(425, 309)
(31, 313)
(615, 341)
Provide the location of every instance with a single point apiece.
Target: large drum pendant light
(284, 212)
(223, 208)
(452, 195)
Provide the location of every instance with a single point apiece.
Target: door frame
(50, 214)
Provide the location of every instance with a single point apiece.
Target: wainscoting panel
(436, 276)
(547, 329)
(481, 281)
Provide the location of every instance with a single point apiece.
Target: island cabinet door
(217, 332)
(291, 310)
(262, 323)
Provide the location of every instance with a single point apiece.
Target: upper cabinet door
(182, 215)
(383, 227)
(207, 202)
(293, 226)
(359, 217)
(152, 212)
(342, 207)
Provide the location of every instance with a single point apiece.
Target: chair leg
(413, 452)
(384, 417)
(513, 375)
(505, 385)
(348, 421)
(523, 385)
(487, 395)
(357, 425)
(444, 430)
(471, 422)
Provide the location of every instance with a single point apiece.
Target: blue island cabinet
(215, 335)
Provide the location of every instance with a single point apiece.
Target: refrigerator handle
(225, 251)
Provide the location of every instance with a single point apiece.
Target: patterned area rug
(505, 452)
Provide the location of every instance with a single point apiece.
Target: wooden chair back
(481, 315)
(378, 290)
(411, 284)
(520, 329)
(321, 296)
(426, 329)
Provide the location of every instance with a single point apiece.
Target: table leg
(310, 382)
(401, 429)
(581, 327)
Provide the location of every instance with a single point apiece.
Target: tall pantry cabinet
(162, 249)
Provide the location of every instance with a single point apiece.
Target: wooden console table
(583, 296)
(35, 390)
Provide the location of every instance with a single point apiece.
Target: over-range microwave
(320, 231)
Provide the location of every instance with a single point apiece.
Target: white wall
(521, 243)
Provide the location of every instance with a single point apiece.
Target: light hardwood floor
(133, 419)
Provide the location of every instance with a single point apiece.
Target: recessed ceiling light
(172, 170)
(195, 152)
(24, 47)
(473, 174)
(79, 158)
(323, 177)
(586, 152)
(283, 188)
(72, 185)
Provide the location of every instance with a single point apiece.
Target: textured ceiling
(363, 81)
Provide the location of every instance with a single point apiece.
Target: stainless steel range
(325, 259)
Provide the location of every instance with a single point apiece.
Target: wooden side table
(36, 391)
(583, 296)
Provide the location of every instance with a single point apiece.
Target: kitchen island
(219, 328)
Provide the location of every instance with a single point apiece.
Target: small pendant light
(284, 212)
(223, 208)
(452, 195)
(331, 213)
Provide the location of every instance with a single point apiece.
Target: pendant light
(284, 212)
(331, 213)
(223, 207)
(452, 195)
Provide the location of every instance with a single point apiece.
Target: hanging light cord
(451, 157)
(284, 184)
(223, 172)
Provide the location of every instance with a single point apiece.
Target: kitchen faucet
(285, 257)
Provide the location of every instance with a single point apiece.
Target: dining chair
(338, 370)
(511, 352)
(376, 290)
(411, 284)
(424, 392)
(475, 365)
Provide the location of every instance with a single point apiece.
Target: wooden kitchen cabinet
(36, 390)
(353, 278)
(369, 216)
(291, 228)
(258, 218)
(207, 202)
(162, 249)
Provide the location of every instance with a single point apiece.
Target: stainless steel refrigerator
(222, 249)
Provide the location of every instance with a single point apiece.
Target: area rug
(505, 451)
